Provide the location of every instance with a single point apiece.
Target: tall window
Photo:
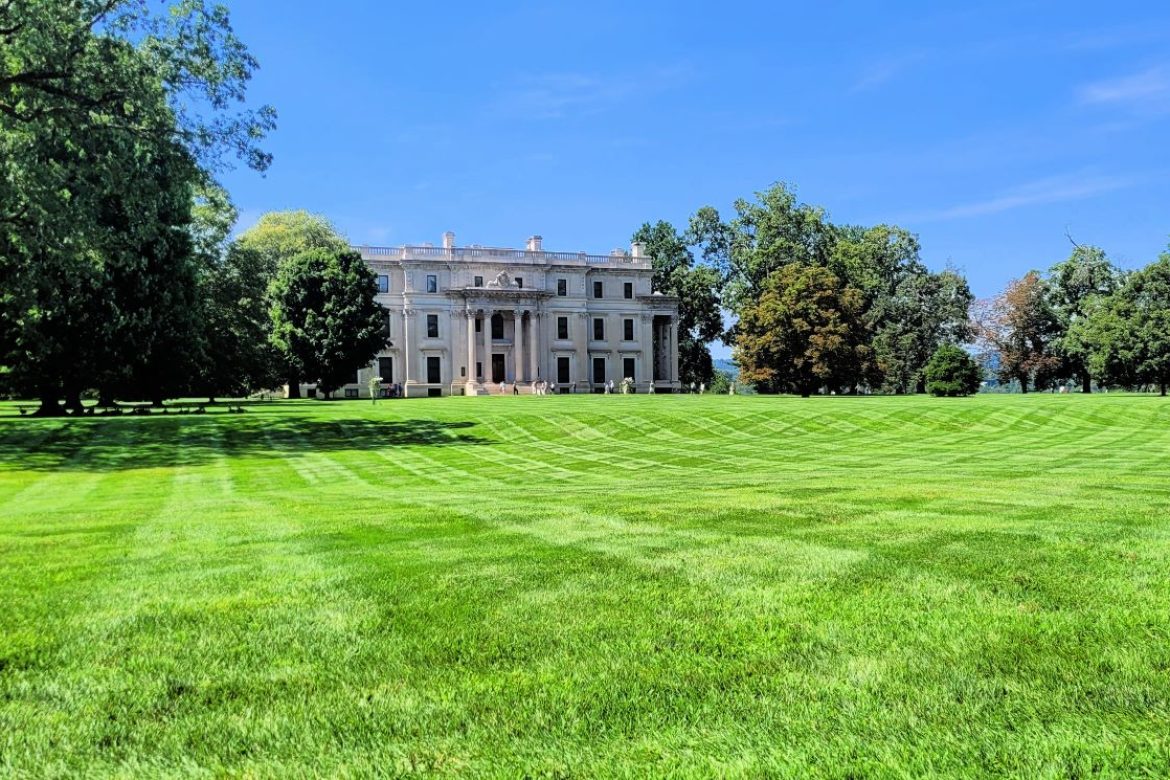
(562, 287)
(383, 283)
(599, 371)
(434, 371)
(629, 289)
(432, 326)
(628, 369)
(598, 329)
(386, 369)
(598, 291)
(432, 283)
(628, 330)
(478, 325)
(389, 325)
(478, 281)
(562, 327)
(497, 326)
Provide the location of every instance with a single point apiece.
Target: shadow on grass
(120, 443)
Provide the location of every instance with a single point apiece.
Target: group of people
(539, 387)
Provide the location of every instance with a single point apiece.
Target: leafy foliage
(1074, 287)
(326, 321)
(806, 331)
(952, 372)
(1019, 327)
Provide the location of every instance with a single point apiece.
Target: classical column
(533, 345)
(486, 330)
(581, 342)
(518, 345)
(470, 346)
(407, 344)
(646, 367)
(673, 349)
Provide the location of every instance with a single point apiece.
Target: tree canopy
(326, 321)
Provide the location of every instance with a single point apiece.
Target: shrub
(951, 372)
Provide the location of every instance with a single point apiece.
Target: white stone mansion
(464, 319)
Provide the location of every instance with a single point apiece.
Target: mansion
(463, 320)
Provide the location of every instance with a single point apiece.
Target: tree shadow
(123, 443)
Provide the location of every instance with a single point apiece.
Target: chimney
(534, 244)
(448, 240)
(638, 250)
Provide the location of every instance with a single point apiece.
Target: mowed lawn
(591, 586)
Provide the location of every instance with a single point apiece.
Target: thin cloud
(561, 95)
(882, 72)
(1147, 90)
(1057, 189)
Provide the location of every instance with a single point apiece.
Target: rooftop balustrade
(512, 256)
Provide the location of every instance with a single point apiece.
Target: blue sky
(990, 129)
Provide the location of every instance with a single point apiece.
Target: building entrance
(497, 368)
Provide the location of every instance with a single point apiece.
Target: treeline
(1085, 321)
(116, 273)
(819, 307)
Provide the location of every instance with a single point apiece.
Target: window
(383, 283)
(562, 327)
(598, 329)
(629, 289)
(389, 325)
(479, 368)
(497, 326)
(432, 283)
(628, 370)
(563, 370)
(520, 282)
(562, 287)
(597, 290)
(628, 330)
(386, 369)
(478, 281)
(478, 325)
(434, 371)
(351, 392)
(432, 326)
(598, 371)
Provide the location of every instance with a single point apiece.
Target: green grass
(583, 586)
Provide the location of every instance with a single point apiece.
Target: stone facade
(464, 319)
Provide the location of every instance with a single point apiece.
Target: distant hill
(728, 366)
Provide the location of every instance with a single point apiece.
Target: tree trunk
(156, 399)
(1086, 383)
(105, 397)
(49, 406)
(294, 384)
(1163, 389)
(73, 400)
(1023, 384)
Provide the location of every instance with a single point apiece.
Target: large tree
(1073, 287)
(108, 109)
(1018, 327)
(277, 238)
(1146, 301)
(697, 288)
(804, 332)
(326, 321)
(98, 270)
(766, 234)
